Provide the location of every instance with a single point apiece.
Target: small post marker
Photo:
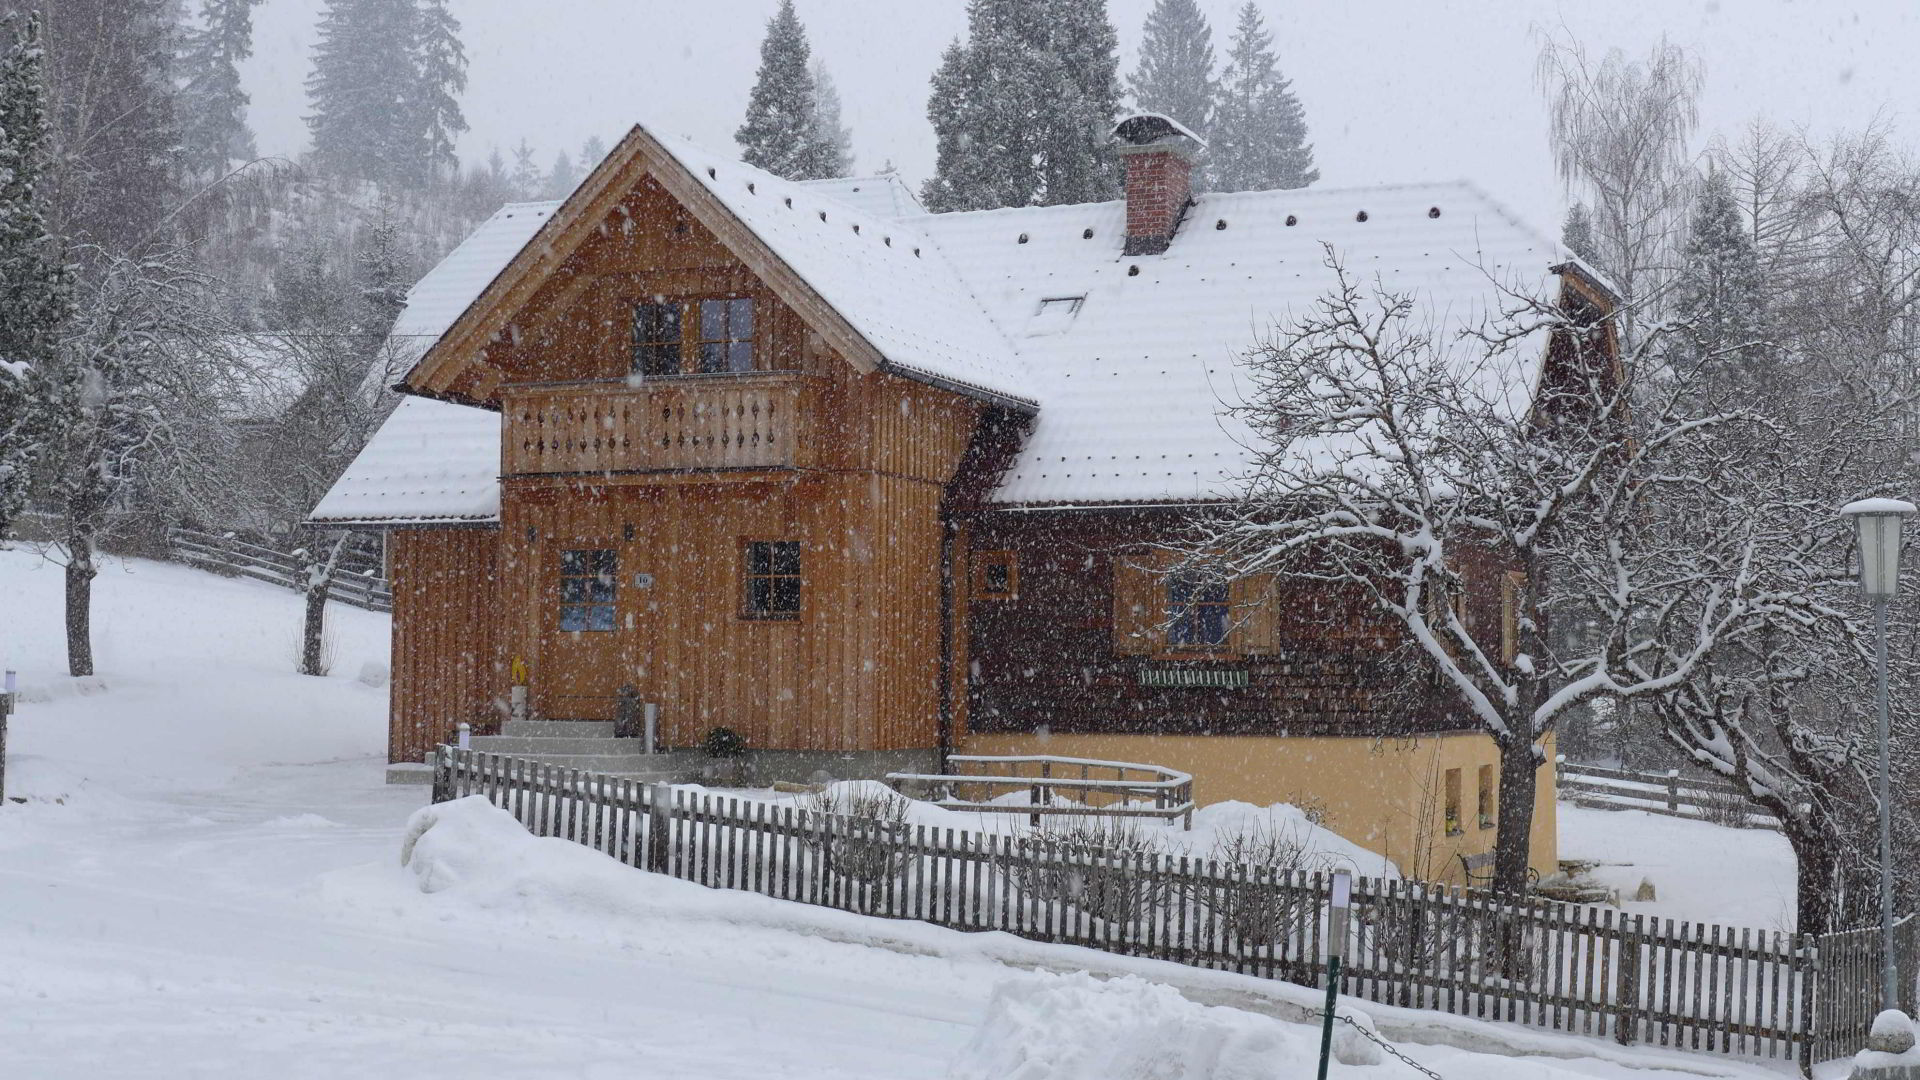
(7, 689)
(465, 735)
(1338, 904)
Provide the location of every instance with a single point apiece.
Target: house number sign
(643, 581)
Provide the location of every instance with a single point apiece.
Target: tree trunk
(80, 572)
(313, 644)
(1816, 854)
(320, 573)
(1513, 840)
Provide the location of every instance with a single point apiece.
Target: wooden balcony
(697, 422)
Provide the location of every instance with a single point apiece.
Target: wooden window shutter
(1512, 584)
(1136, 616)
(1255, 629)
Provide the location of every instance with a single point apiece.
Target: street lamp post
(1878, 523)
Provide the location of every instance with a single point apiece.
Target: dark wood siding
(1325, 664)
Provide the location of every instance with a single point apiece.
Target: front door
(582, 630)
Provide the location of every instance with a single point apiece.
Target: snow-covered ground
(1280, 827)
(1699, 871)
(206, 882)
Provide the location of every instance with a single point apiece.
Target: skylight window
(1054, 314)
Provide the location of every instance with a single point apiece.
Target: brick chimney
(1158, 154)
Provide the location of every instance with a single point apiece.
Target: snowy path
(208, 931)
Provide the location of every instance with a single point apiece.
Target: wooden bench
(1478, 870)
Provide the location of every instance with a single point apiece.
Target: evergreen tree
(439, 78)
(525, 178)
(362, 72)
(1022, 112)
(827, 120)
(592, 153)
(113, 168)
(1718, 297)
(960, 150)
(35, 285)
(1259, 133)
(782, 133)
(213, 107)
(1577, 234)
(562, 178)
(1081, 162)
(386, 79)
(1175, 77)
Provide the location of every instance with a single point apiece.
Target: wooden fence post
(442, 773)
(658, 811)
(1673, 790)
(6, 710)
(1626, 992)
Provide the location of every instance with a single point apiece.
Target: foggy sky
(1394, 90)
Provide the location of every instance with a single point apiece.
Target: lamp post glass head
(1877, 523)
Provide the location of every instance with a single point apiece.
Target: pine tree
(781, 133)
(362, 72)
(1577, 234)
(1081, 162)
(1259, 133)
(960, 151)
(525, 177)
(592, 153)
(1718, 296)
(1175, 77)
(385, 88)
(213, 107)
(114, 163)
(562, 178)
(827, 120)
(439, 78)
(1022, 112)
(35, 285)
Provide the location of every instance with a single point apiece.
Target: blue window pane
(600, 617)
(786, 556)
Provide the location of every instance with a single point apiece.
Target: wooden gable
(639, 209)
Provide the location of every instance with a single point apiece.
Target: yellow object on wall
(1385, 794)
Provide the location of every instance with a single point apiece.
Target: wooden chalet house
(868, 485)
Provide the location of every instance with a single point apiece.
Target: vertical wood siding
(447, 663)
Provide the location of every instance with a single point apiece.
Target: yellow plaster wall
(1383, 794)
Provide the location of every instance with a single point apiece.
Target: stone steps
(575, 729)
(544, 745)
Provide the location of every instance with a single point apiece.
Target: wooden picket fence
(230, 555)
(1666, 793)
(1576, 968)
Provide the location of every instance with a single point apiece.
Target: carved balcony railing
(690, 423)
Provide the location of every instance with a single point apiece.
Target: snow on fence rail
(1169, 790)
(227, 554)
(1660, 793)
(1576, 968)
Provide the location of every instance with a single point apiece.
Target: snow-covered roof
(1132, 378)
(431, 462)
(1130, 359)
(896, 290)
(884, 195)
(447, 290)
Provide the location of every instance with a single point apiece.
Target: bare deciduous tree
(1620, 137)
(1409, 465)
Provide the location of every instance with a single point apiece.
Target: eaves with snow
(1127, 361)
